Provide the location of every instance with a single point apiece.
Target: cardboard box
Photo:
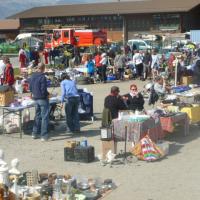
(186, 80)
(6, 97)
(108, 145)
(71, 144)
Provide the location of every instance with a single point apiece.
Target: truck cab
(63, 36)
(79, 38)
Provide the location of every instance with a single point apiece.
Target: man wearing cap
(38, 88)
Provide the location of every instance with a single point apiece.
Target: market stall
(137, 128)
(185, 102)
(167, 122)
(18, 109)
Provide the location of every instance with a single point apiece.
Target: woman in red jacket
(9, 73)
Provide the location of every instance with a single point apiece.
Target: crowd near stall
(143, 118)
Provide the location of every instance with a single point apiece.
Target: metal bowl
(83, 186)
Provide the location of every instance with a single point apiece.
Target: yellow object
(6, 98)
(186, 80)
(193, 113)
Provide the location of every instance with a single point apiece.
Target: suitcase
(86, 103)
(84, 154)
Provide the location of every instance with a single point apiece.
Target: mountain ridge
(10, 7)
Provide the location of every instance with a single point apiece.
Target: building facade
(122, 18)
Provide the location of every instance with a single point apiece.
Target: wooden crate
(108, 145)
(186, 80)
(6, 98)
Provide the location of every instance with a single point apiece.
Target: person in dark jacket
(114, 102)
(147, 64)
(38, 88)
(196, 72)
(134, 99)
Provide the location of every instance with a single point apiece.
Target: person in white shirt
(155, 62)
(137, 61)
(103, 62)
(2, 69)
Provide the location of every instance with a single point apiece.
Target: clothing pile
(147, 150)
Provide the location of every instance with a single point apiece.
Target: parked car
(138, 44)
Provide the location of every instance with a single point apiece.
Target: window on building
(40, 21)
(166, 21)
(66, 34)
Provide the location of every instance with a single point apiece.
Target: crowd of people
(143, 65)
(101, 62)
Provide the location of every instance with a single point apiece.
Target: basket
(34, 196)
(6, 97)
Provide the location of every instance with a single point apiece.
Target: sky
(10, 7)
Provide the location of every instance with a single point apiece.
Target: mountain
(10, 7)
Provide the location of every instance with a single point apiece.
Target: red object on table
(167, 123)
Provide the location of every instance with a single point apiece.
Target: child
(90, 66)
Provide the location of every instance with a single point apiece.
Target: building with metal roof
(130, 16)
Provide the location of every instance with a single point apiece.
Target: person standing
(8, 73)
(155, 63)
(38, 88)
(22, 58)
(2, 69)
(104, 61)
(98, 65)
(146, 64)
(46, 55)
(120, 64)
(69, 95)
(90, 66)
(137, 61)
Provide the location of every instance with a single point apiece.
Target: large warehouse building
(121, 19)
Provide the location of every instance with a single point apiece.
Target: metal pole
(125, 144)
(124, 31)
(176, 72)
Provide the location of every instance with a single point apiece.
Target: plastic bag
(19, 87)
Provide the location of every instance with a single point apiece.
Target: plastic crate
(69, 154)
(84, 154)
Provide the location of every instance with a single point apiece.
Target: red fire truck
(79, 38)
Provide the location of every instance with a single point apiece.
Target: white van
(138, 44)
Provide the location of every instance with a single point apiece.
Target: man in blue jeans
(71, 98)
(38, 88)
